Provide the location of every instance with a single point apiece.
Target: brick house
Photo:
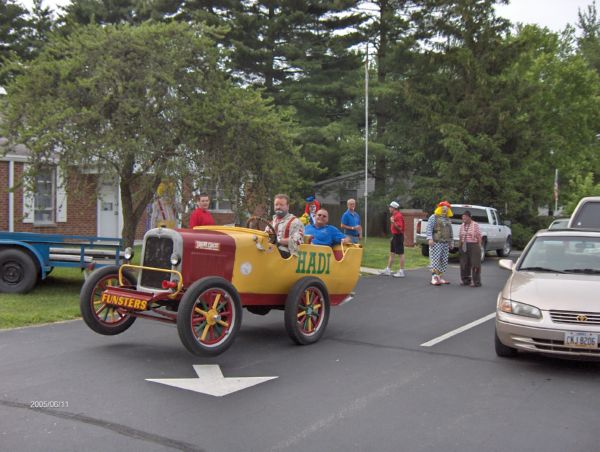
(91, 208)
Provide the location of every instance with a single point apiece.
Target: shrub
(521, 235)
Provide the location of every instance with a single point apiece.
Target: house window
(45, 196)
(218, 201)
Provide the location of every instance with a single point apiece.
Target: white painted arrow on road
(211, 381)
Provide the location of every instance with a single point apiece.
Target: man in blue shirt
(351, 222)
(323, 233)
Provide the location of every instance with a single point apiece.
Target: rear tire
(425, 250)
(502, 350)
(18, 271)
(307, 311)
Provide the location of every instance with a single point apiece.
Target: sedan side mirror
(507, 264)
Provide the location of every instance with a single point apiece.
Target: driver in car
(289, 229)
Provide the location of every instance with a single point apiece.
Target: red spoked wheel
(99, 316)
(307, 311)
(209, 316)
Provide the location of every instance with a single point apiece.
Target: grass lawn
(57, 297)
(377, 251)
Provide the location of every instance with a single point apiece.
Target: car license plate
(578, 339)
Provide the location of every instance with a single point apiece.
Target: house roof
(18, 152)
(343, 177)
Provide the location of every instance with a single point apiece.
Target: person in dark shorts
(397, 242)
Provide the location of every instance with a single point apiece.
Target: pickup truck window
(495, 219)
(478, 215)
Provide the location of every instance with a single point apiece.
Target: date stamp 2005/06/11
(49, 404)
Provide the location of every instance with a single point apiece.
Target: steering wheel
(258, 223)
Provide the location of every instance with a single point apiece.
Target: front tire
(103, 318)
(209, 316)
(502, 350)
(307, 311)
(504, 252)
(18, 271)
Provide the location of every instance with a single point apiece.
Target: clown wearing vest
(439, 236)
(289, 229)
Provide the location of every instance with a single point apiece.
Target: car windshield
(563, 254)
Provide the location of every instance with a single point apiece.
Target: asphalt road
(368, 385)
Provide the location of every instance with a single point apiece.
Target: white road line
(466, 327)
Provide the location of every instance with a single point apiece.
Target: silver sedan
(551, 303)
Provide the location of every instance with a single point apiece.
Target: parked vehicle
(550, 304)
(201, 279)
(26, 258)
(496, 236)
(587, 214)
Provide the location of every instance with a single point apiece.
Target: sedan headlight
(175, 259)
(517, 308)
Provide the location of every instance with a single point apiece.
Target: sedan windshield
(563, 255)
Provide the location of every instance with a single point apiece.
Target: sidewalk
(370, 271)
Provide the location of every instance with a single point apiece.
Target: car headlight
(128, 253)
(175, 259)
(517, 308)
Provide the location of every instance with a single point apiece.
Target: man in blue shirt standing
(323, 233)
(351, 222)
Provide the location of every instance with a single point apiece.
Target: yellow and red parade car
(201, 278)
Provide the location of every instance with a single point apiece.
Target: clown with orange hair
(439, 236)
(312, 205)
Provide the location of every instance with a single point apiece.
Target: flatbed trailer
(26, 257)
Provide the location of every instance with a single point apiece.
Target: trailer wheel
(307, 311)
(18, 271)
(209, 316)
(101, 317)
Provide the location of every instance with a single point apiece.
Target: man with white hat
(397, 243)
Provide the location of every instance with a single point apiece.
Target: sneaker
(443, 281)
(385, 272)
(399, 274)
(435, 280)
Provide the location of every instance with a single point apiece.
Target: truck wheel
(18, 271)
(425, 250)
(209, 316)
(101, 317)
(483, 251)
(307, 311)
(504, 252)
(502, 350)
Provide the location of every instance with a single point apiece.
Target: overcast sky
(554, 14)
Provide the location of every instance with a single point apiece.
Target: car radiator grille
(157, 254)
(576, 318)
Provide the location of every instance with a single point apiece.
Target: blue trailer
(26, 258)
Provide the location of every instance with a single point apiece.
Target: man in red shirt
(201, 216)
(397, 243)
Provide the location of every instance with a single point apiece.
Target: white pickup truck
(496, 236)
